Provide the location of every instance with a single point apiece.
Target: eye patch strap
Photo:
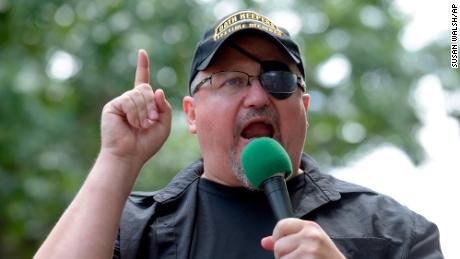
(268, 65)
(244, 52)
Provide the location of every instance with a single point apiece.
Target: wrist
(116, 171)
(130, 163)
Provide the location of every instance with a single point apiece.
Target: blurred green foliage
(49, 113)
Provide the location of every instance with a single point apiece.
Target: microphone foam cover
(262, 158)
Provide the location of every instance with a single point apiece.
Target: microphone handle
(278, 197)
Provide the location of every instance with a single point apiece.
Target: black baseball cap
(241, 21)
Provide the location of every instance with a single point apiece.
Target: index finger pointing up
(142, 69)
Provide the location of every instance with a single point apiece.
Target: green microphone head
(262, 158)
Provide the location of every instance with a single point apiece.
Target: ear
(188, 104)
(306, 101)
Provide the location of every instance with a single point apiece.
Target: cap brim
(205, 63)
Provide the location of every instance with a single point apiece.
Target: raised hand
(135, 125)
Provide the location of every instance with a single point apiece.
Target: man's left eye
(234, 82)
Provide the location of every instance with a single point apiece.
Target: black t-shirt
(231, 221)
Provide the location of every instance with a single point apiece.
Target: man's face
(226, 121)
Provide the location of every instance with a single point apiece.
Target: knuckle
(107, 106)
(145, 87)
(312, 224)
(125, 97)
(136, 94)
(283, 223)
(280, 249)
(126, 93)
(126, 101)
(311, 233)
(112, 104)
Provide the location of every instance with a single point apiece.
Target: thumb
(163, 106)
(267, 243)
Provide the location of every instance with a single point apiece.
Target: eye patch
(276, 77)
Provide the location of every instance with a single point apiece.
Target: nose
(256, 96)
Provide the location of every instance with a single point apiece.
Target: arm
(134, 126)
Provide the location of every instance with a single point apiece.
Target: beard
(234, 160)
(238, 170)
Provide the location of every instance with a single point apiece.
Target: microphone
(266, 165)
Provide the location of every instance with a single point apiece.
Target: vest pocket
(362, 247)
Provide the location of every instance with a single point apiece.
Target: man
(247, 81)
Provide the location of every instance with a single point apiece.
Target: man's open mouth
(257, 129)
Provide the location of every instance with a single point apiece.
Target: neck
(230, 180)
